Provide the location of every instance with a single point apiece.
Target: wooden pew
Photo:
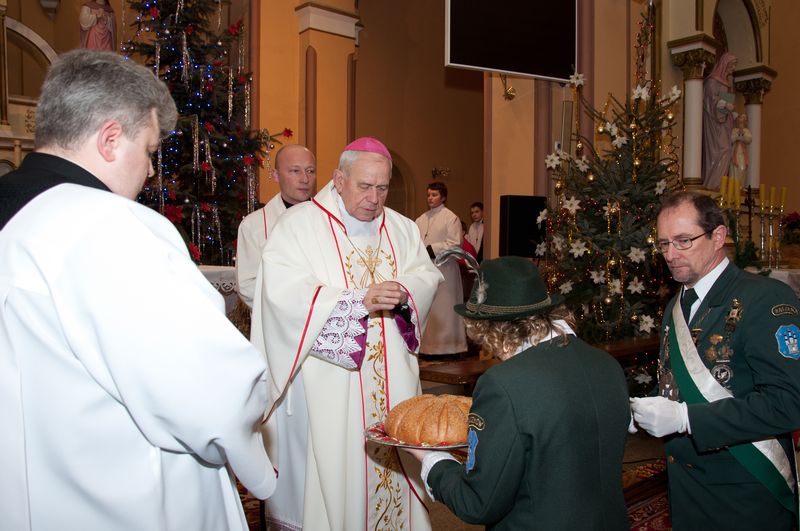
(466, 372)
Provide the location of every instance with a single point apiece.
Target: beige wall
(781, 112)
(277, 63)
(509, 137)
(428, 115)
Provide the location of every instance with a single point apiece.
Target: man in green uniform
(547, 426)
(729, 380)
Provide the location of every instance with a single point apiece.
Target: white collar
(356, 227)
(703, 286)
(559, 325)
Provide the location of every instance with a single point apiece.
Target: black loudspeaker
(519, 233)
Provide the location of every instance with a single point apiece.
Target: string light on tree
(205, 178)
(617, 177)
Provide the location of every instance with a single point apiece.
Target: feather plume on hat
(458, 253)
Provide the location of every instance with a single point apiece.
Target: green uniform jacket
(547, 437)
(734, 329)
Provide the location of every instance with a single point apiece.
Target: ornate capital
(754, 82)
(753, 89)
(693, 62)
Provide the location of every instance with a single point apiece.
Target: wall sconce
(440, 173)
(508, 92)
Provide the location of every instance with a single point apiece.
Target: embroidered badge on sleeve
(476, 424)
(472, 441)
(783, 309)
(787, 337)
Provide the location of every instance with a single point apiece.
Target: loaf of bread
(430, 420)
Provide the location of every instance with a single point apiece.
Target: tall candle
(723, 189)
(731, 191)
(737, 194)
(762, 195)
(783, 197)
(772, 197)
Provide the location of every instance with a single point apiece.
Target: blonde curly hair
(503, 338)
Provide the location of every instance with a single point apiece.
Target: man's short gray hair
(86, 88)
(347, 158)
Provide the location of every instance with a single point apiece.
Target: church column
(692, 55)
(754, 83)
(327, 38)
(3, 68)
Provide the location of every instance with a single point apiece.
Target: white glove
(632, 427)
(660, 416)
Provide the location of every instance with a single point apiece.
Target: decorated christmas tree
(205, 178)
(599, 250)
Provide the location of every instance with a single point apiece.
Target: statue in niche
(740, 139)
(718, 98)
(98, 27)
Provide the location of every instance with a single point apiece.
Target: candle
(723, 189)
(783, 196)
(762, 196)
(772, 197)
(731, 191)
(737, 194)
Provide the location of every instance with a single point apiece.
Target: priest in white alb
(345, 287)
(441, 229)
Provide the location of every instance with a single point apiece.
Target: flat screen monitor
(535, 38)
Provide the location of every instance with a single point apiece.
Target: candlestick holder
(771, 255)
(763, 236)
(779, 255)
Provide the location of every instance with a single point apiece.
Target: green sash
(765, 459)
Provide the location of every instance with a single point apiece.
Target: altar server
(441, 229)
(127, 396)
(295, 171)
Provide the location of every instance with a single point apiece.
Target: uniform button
(689, 465)
(670, 459)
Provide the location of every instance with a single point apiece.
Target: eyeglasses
(680, 244)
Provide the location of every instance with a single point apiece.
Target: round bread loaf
(430, 420)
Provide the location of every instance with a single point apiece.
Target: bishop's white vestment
(315, 273)
(125, 393)
(253, 232)
(445, 334)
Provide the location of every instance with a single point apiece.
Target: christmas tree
(205, 178)
(599, 250)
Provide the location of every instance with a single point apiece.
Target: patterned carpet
(645, 495)
(651, 514)
(252, 508)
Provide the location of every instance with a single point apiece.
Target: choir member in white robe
(346, 289)
(475, 233)
(295, 171)
(440, 230)
(127, 396)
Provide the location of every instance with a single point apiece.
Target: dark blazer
(547, 437)
(736, 332)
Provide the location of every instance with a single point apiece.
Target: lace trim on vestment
(337, 341)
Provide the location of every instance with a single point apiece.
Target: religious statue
(98, 27)
(740, 138)
(718, 100)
